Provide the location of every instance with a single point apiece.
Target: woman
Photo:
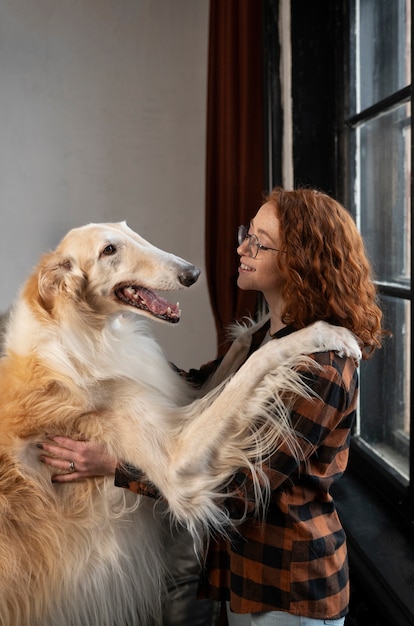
(303, 252)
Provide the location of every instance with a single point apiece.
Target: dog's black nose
(189, 276)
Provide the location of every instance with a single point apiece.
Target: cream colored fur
(80, 362)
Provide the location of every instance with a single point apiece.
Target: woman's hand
(78, 459)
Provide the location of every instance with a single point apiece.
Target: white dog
(80, 361)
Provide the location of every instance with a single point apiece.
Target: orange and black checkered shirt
(294, 558)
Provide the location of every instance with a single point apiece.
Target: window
(380, 194)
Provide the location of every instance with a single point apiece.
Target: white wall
(103, 116)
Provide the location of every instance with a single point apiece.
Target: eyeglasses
(253, 242)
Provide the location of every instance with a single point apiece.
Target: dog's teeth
(169, 310)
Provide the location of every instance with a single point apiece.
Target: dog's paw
(336, 338)
(318, 337)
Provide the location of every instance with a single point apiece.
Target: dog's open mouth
(147, 300)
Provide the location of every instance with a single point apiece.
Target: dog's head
(104, 268)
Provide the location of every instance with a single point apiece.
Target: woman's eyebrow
(261, 231)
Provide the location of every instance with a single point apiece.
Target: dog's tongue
(156, 304)
(144, 298)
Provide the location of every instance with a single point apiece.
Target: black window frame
(396, 493)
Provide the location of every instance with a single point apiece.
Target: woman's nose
(243, 248)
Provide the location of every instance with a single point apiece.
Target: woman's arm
(313, 418)
(92, 459)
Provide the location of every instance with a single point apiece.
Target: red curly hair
(328, 274)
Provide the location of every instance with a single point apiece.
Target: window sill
(381, 550)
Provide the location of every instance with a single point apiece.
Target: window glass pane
(383, 49)
(384, 416)
(383, 193)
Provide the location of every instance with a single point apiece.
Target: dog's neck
(123, 348)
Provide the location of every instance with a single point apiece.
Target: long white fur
(81, 363)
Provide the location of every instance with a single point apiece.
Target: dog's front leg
(274, 364)
(217, 439)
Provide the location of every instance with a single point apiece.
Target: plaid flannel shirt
(294, 557)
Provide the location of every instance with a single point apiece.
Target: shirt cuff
(132, 478)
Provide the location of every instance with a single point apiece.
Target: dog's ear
(58, 276)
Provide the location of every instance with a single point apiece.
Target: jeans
(278, 618)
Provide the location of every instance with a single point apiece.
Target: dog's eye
(109, 249)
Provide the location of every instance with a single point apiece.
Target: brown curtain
(235, 150)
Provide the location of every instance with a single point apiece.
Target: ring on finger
(72, 467)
